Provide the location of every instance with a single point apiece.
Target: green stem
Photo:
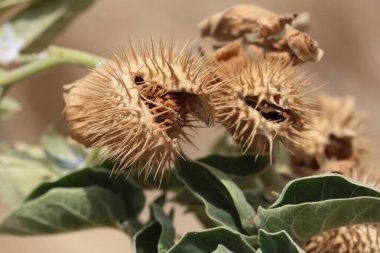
(272, 179)
(52, 57)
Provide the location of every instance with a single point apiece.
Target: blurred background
(347, 31)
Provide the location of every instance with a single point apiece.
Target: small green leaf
(60, 152)
(146, 240)
(311, 205)
(209, 240)
(33, 28)
(157, 235)
(8, 107)
(225, 202)
(279, 242)
(64, 210)
(166, 239)
(241, 165)
(221, 249)
(131, 195)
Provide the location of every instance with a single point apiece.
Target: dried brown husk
(335, 135)
(263, 32)
(137, 108)
(263, 101)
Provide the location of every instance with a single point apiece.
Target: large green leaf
(240, 165)
(8, 107)
(309, 206)
(131, 195)
(279, 242)
(209, 240)
(60, 152)
(20, 172)
(319, 188)
(33, 28)
(225, 202)
(157, 235)
(64, 210)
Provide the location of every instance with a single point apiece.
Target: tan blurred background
(347, 30)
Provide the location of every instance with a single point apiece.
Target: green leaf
(241, 165)
(21, 171)
(146, 240)
(279, 242)
(64, 210)
(225, 202)
(311, 205)
(8, 107)
(209, 240)
(131, 195)
(60, 152)
(319, 188)
(33, 28)
(166, 240)
(157, 235)
(221, 249)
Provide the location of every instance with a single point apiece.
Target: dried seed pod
(261, 31)
(137, 107)
(335, 136)
(350, 239)
(265, 100)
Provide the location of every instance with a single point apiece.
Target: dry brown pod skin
(349, 239)
(336, 135)
(265, 32)
(263, 101)
(137, 107)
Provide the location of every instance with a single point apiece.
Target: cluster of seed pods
(138, 107)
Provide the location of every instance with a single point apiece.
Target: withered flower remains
(138, 106)
(261, 32)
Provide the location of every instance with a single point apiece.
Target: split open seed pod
(137, 108)
(336, 135)
(265, 100)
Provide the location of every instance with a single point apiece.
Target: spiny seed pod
(265, 100)
(349, 239)
(137, 107)
(335, 136)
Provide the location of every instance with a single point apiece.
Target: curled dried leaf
(262, 32)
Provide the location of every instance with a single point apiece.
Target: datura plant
(288, 175)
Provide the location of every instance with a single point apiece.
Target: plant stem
(272, 179)
(52, 57)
